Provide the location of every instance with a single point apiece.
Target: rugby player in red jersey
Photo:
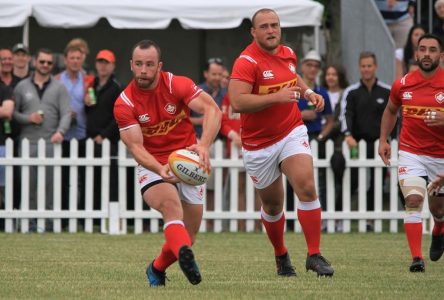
(420, 95)
(153, 118)
(264, 88)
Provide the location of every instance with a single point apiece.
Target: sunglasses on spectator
(215, 60)
(47, 62)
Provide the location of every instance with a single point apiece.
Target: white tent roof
(155, 14)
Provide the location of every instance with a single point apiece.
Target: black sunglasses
(48, 62)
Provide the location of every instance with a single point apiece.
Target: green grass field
(233, 266)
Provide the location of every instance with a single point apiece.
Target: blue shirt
(315, 126)
(76, 91)
(218, 99)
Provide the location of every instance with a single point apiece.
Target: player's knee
(307, 190)
(414, 190)
(414, 202)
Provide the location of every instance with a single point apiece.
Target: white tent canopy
(155, 14)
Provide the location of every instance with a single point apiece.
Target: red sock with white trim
(413, 231)
(309, 215)
(438, 228)
(274, 225)
(165, 259)
(176, 236)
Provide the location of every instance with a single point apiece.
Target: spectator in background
(73, 78)
(398, 15)
(225, 78)
(42, 110)
(6, 109)
(21, 59)
(212, 85)
(362, 106)
(438, 29)
(84, 48)
(7, 76)
(406, 56)
(335, 81)
(100, 122)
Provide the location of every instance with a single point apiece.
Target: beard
(144, 82)
(433, 65)
(270, 45)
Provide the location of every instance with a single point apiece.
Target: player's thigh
(192, 217)
(159, 195)
(299, 171)
(272, 196)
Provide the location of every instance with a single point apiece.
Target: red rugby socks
(309, 215)
(274, 225)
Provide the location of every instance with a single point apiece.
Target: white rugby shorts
(411, 165)
(188, 193)
(263, 165)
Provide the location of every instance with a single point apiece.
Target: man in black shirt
(362, 106)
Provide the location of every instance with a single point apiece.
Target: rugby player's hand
(434, 118)
(167, 175)
(318, 101)
(204, 156)
(385, 152)
(434, 186)
(289, 94)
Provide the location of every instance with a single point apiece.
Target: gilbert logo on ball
(185, 166)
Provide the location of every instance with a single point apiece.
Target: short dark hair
(72, 48)
(145, 44)
(433, 37)
(367, 54)
(262, 11)
(44, 50)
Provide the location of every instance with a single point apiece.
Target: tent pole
(316, 38)
(25, 36)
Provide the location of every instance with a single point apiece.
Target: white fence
(130, 214)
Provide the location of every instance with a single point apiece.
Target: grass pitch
(233, 266)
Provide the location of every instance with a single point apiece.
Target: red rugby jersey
(267, 73)
(418, 95)
(161, 113)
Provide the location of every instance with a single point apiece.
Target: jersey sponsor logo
(170, 108)
(163, 127)
(402, 170)
(418, 112)
(268, 74)
(144, 118)
(439, 97)
(407, 96)
(268, 89)
(292, 68)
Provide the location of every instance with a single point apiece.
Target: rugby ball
(185, 166)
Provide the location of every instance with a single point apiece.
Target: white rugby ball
(185, 166)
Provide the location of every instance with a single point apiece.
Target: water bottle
(41, 113)
(310, 105)
(7, 126)
(354, 152)
(92, 96)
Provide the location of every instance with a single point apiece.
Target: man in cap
(100, 96)
(20, 60)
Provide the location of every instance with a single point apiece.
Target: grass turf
(233, 266)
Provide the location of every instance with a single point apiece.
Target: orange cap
(106, 55)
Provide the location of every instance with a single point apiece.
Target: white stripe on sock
(414, 217)
(269, 218)
(179, 222)
(312, 205)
